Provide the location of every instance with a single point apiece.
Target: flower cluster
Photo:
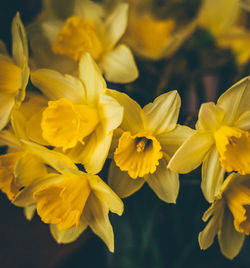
(60, 122)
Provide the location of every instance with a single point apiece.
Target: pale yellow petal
(212, 175)
(111, 111)
(210, 117)
(132, 120)
(97, 150)
(161, 115)
(92, 79)
(25, 198)
(29, 212)
(58, 8)
(3, 48)
(121, 182)
(164, 183)
(118, 65)
(244, 121)
(89, 10)
(28, 168)
(69, 235)
(105, 193)
(58, 161)
(7, 138)
(172, 140)
(19, 42)
(55, 85)
(6, 104)
(235, 101)
(230, 240)
(206, 237)
(115, 25)
(96, 213)
(192, 152)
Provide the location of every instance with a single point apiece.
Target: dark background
(150, 233)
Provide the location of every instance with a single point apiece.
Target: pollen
(233, 145)
(76, 37)
(139, 154)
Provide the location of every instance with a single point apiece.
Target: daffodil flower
(222, 21)
(66, 198)
(221, 140)
(14, 72)
(229, 216)
(154, 38)
(146, 140)
(63, 36)
(80, 116)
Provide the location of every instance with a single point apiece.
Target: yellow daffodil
(143, 145)
(80, 116)
(229, 216)
(221, 140)
(66, 198)
(66, 31)
(14, 72)
(155, 38)
(222, 20)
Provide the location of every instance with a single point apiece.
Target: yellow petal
(235, 101)
(172, 140)
(56, 86)
(212, 175)
(58, 161)
(164, 183)
(132, 120)
(90, 75)
(192, 152)
(233, 145)
(29, 211)
(6, 105)
(104, 193)
(122, 183)
(161, 115)
(7, 165)
(111, 112)
(69, 235)
(28, 168)
(210, 117)
(10, 77)
(138, 154)
(118, 65)
(115, 25)
(62, 203)
(7, 138)
(244, 121)
(206, 237)
(78, 122)
(96, 213)
(230, 240)
(19, 42)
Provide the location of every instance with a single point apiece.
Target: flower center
(76, 37)
(233, 145)
(138, 154)
(238, 200)
(62, 203)
(10, 77)
(64, 123)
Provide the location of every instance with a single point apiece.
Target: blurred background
(150, 233)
